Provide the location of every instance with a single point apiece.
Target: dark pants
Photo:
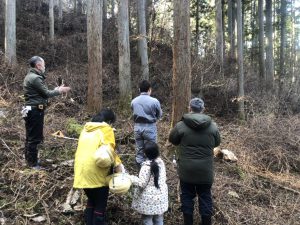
(96, 205)
(34, 123)
(189, 192)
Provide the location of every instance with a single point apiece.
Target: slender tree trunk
(269, 47)
(181, 60)
(223, 31)
(219, 34)
(232, 29)
(51, 21)
(262, 68)
(94, 45)
(230, 23)
(75, 6)
(142, 43)
(112, 8)
(241, 94)
(197, 28)
(10, 32)
(60, 16)
(124, 55)
(79, 7)
(2, 23)
(104, 10)
(253, 35)
(282, 44)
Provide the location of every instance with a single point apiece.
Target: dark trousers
(189, 192)
(96, 205)
(34, 123)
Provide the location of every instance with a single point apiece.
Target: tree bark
(197, 28)
(219, 34)
(124, 55)
(241, 107)
(142, 42)
(79, 7)
(253, 35)
(269, 47)
(282, 44)
(51, 21)
(112, 8)
(94, 45)
(231, 28)
(60, 16)
(181, 60)
(104, 10)
(10, 32)
(262, 68)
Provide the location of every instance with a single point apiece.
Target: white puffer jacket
(148, 199)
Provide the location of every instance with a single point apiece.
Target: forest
(240, 56)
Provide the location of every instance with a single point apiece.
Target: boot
(188, 219)
(206, 220)
(88, 215)
(99, 218)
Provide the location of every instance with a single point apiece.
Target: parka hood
(91, 126)
(196, 121)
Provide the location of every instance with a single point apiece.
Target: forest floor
(243, 193)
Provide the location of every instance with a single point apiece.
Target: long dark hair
(151, 151)
(105, 115)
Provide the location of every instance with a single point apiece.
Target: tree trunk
(262, 68)
(181, 60)
(112, 8)
(79, 7)
(230, 23)
(124, 55)
(197, 29)
(104, 10)
(60, 16)
(282, 44)
(149, 10)
(231, 28)
(241, 107)
(219, 34)
(51, 21)
(2, 24)
(94, 45)
(269, 47)
(75, 6)
(10, 32)
(253, 35)
(142, 43)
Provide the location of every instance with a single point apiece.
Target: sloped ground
(244, 193)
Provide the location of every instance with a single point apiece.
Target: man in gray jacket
(196, 135)
(146, 111)
(36, 96)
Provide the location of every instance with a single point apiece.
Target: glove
(25, 110)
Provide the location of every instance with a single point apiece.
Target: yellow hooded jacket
(87, 173)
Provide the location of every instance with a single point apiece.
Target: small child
(151, 199)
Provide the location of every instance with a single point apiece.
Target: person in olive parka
(197, 135)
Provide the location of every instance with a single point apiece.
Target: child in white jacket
(151, 199)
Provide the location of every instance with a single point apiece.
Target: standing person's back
(146, 111)
(197, 135)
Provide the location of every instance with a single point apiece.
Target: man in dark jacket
(36, 98)
(197, 135)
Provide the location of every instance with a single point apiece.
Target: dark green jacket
(35, 90)
(197, 135)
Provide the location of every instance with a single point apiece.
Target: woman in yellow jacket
(88, 175)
